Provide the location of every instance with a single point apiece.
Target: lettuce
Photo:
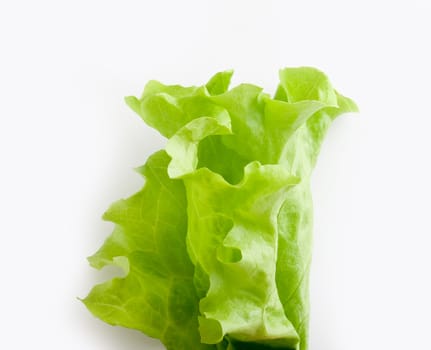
(216, 247)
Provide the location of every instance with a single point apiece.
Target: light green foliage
(216, 247)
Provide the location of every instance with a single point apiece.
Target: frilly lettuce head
(216, 247)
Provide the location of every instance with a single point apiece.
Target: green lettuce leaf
(217, 246)
(295, 219)
(157, 295)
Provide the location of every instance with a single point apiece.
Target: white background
(68, 144)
